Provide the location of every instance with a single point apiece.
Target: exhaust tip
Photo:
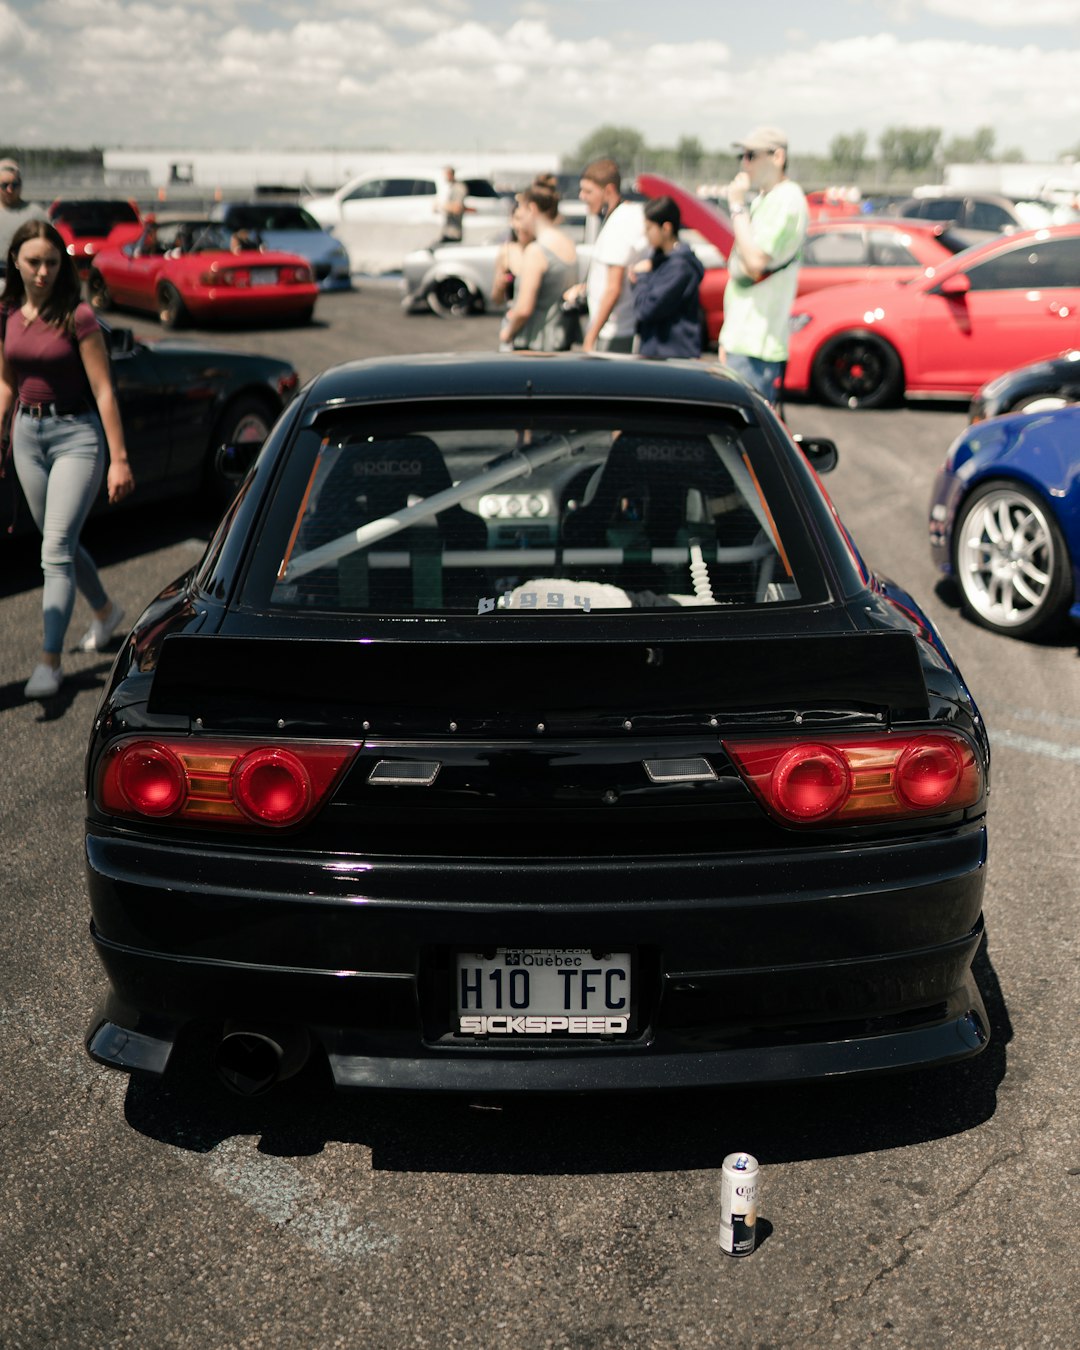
(251, 1059)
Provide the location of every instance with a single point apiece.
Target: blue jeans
(61, 462)
(767, 377)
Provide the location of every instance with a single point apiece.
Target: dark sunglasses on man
(11, 183)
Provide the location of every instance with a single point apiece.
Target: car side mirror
(821, 453)
(958, 284)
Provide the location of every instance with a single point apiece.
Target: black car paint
(174, 397)
(763, 952)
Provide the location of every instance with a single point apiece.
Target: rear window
(562, 518)
(95, 218)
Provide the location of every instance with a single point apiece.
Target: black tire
(98, 292)
(171, 311)
(452, 298)
(1010, 560)
(858, 370)
(238, 434)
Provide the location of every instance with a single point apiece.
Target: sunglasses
(751, 155)
(11, 184)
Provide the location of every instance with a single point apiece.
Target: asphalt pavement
(913, 1211)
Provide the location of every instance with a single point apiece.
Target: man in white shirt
(620, 243)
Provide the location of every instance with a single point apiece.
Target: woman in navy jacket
(665, 287)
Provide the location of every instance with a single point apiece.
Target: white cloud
(13, 35)
(429, 74)
(1008, 13)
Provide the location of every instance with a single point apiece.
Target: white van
(380, 217)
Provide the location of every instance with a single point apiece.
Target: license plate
(534, 991)
(264, 276)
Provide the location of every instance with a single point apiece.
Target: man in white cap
(764, 263)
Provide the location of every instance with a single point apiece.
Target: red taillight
(151, 779)
(215, 782)
(860, 778)
(810, 782)
(928, 773)
(294, 276)
(272, 786)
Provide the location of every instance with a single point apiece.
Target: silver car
(457, 279)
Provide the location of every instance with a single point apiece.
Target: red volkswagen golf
(990, 308)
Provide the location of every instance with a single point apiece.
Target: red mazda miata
(198, 269)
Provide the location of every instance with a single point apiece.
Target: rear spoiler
(425, 685)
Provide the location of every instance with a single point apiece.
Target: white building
(309, 170)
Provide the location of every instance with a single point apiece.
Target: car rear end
(536, 745)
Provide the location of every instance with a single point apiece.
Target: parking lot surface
(909, 1211)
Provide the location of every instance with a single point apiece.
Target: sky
(535, 75)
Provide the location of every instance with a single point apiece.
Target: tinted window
(479, 187)
(270, 216)
(423, 187)
(94, 218)
(940, 208)
(561, 518)
(836, 248)
(374, 187)
(988, 216)
(1032, 266)
(889, 248)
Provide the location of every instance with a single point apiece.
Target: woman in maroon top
(56, 389)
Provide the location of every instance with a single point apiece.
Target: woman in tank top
(537, 322)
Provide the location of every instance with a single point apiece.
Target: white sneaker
(101, 630)
(44, 682)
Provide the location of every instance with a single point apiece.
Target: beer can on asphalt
(738, 1204)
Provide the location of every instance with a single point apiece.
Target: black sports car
(1039, 386)
(531, 722)
(194, 416)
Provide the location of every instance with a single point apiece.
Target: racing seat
(383, 477)
(655, 492)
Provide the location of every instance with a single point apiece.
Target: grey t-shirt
(11, 217)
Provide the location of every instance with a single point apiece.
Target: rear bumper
(737, 981)
(239, 302)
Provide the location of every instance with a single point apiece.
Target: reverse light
(852, 779)
(219, 782)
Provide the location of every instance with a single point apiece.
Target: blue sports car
(1005, 520)
(286, 226)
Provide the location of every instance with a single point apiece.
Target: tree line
(908, 153)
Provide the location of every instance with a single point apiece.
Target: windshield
(271, 216)
(563, 517)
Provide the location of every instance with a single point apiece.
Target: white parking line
(1033, 745)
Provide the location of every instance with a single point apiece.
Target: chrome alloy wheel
(1005, 558)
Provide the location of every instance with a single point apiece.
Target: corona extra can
(738, 1204)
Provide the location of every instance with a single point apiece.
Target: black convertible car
(194, 416)
(531, 722)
